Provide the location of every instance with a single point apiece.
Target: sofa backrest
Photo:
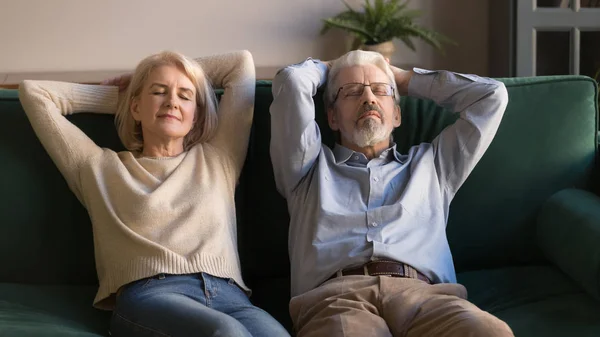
(45, 233)
(546, 142)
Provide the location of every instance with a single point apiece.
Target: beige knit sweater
(171, 215)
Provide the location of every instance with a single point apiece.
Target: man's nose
(368, 96)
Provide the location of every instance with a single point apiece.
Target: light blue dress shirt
(346, 210)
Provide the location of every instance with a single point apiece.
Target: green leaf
(411, 14)
(430, 37)
(379, 10)
(369, 11)
(350, 9)
(357, 18)
(408, 42)
(349, 26)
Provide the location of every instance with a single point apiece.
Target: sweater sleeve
(233, 72)
(46, 103)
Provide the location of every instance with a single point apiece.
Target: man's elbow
(280, 186)
(500, 95)
(292, 81)
(284, 76)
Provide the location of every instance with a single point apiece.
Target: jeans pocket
(134, 287)
(148, 282)
(237, 287)
(235, 294)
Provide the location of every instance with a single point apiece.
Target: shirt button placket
(370, 234)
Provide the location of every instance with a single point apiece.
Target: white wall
(109, 35)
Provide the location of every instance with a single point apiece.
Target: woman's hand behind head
(120, 81)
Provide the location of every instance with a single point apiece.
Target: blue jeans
(189, 305)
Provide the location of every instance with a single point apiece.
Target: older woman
(163, 213)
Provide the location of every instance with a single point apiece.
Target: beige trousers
(383, 306)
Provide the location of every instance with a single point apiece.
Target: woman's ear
(134, 108)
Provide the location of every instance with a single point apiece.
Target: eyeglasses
(357, 89)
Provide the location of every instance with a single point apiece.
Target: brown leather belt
(383, 267)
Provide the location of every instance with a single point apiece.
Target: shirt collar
(395, 153)
(342, 154)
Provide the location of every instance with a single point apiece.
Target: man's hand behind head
(328, 63)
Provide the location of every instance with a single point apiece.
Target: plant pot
(385, 48)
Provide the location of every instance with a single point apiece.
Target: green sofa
(524, 229)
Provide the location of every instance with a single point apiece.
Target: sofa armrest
(568, 232)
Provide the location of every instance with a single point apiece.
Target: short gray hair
(356, 58)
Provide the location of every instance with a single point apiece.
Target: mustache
(369, 107)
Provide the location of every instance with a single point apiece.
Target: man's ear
(397, 116)
(332, 119)
(134, 108)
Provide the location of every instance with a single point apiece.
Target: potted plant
(380, 22)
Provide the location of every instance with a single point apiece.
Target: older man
(367, 240)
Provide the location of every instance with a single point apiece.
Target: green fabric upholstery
(547, 142)
(561, 316)
(569, 234)
(56, 311)
(42, 221)
(534, 300)
(500, 289)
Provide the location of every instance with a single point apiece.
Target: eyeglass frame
(363, 90)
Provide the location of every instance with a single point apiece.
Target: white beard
(371, 133)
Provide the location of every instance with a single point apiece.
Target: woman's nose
(171, 102)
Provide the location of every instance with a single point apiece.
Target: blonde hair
(356, 58)
(206, 120)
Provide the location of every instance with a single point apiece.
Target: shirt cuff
(323, 70)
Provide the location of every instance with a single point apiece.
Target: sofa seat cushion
(273, 295)
(534, 300)
(42, 310)
(563, 315)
